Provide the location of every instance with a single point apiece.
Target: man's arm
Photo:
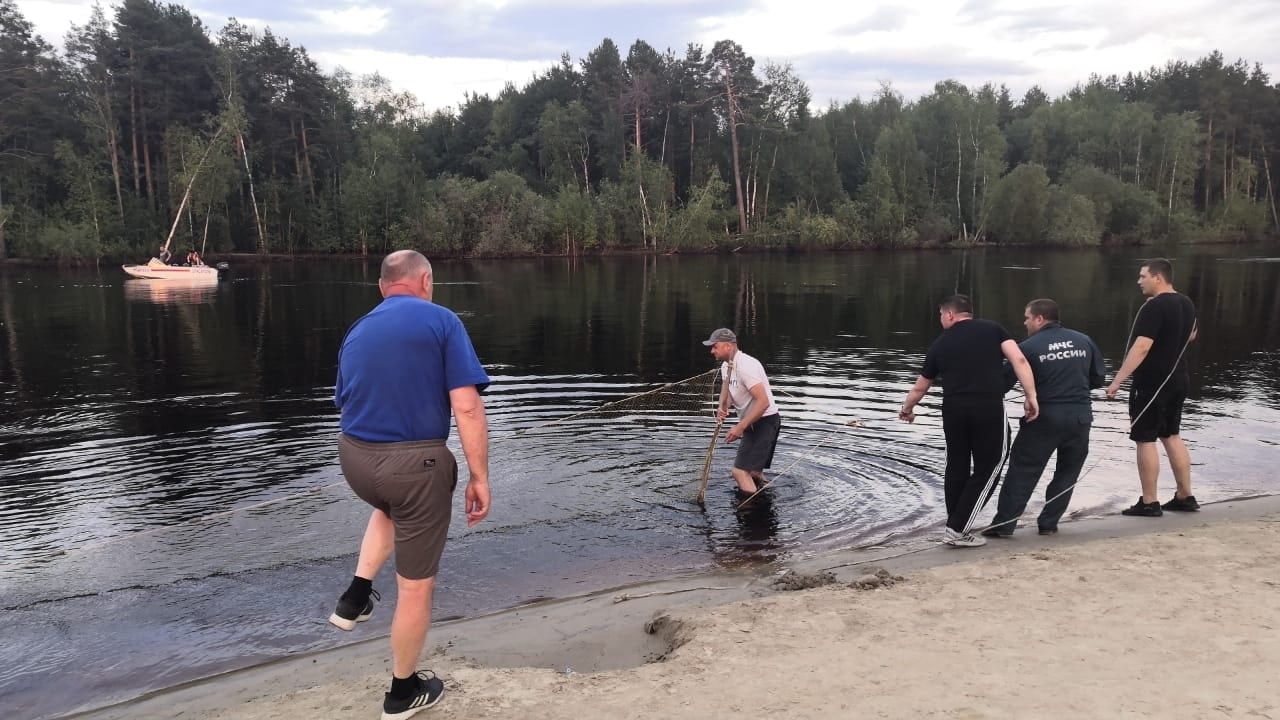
(473, 430)
(722, 408)
(1137, 353)
(1022, 369)
(914, 396)
(759, 403)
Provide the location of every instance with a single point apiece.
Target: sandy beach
(1173, 617)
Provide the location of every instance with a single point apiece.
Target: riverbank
(732, 246)
(1170, 617)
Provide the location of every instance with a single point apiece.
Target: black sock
(360, 587)
(402, 688)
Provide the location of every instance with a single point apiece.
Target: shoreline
(255, 258)
(506, 664)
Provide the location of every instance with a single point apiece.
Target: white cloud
(1045, 42)
(438, 82)
(842, 50)
(354, 19)
(53, 18)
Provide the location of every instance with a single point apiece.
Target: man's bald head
(404, 266)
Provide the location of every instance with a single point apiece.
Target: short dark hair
(1161, 267)
(958, 304)
(1045, 308)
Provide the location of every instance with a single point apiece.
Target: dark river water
(171, 504)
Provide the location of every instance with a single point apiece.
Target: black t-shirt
(1167, 319)
(968, 358)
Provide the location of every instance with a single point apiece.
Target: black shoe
(1141, 509)
(352, 609)
(430, 688)
(1186, 504)
(1048, 531)
(996, 533)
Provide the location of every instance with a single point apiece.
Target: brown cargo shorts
(413, 483)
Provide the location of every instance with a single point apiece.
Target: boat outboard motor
(224, 270)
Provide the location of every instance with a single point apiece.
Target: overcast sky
(439, 49)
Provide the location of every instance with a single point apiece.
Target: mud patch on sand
(876, 578)
(791, 580)
(671, 631)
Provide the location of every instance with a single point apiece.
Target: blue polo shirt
(396, 368)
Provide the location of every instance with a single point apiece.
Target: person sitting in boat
(193, 258)
(165, 256)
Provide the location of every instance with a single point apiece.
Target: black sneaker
(1048, 531)
(1141, 509)
(1186, 504)
(430, 688)
(996, 533)
(352, 609)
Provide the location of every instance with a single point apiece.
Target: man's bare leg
(1180, 462)
(1148, 470)
(745, 483)
(376, 546)
(410, 624)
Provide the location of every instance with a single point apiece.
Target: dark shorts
(413, 483)
(1161, 419)
(755, 453)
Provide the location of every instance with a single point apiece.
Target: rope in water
(30, 561)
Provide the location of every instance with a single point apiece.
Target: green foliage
(704, 220)
(1018, 205)
(572, 222)
(461, 216)
(1070, 219)
(852, 218)
(616, 151)
(1123, 211)
(803, 228)
(65, 240)
(895, 195)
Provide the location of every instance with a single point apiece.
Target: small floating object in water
(1018, 267)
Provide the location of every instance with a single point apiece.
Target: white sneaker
(955, 539)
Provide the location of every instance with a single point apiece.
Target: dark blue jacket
(1066, 365)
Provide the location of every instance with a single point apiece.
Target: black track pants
(977, 436)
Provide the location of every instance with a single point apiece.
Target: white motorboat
(156, 270)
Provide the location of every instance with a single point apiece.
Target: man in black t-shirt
(969, 357)
(1164, 327)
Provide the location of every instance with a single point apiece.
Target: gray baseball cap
(720, 335)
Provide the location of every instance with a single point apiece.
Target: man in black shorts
(747, 388)
(969, 356)
(1164, 327)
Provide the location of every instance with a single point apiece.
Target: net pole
(706, 466)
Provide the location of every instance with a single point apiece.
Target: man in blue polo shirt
(1066, 365)
(403, 369)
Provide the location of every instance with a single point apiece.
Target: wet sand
(1172, 617)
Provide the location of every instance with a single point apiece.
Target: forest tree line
(146, 125)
